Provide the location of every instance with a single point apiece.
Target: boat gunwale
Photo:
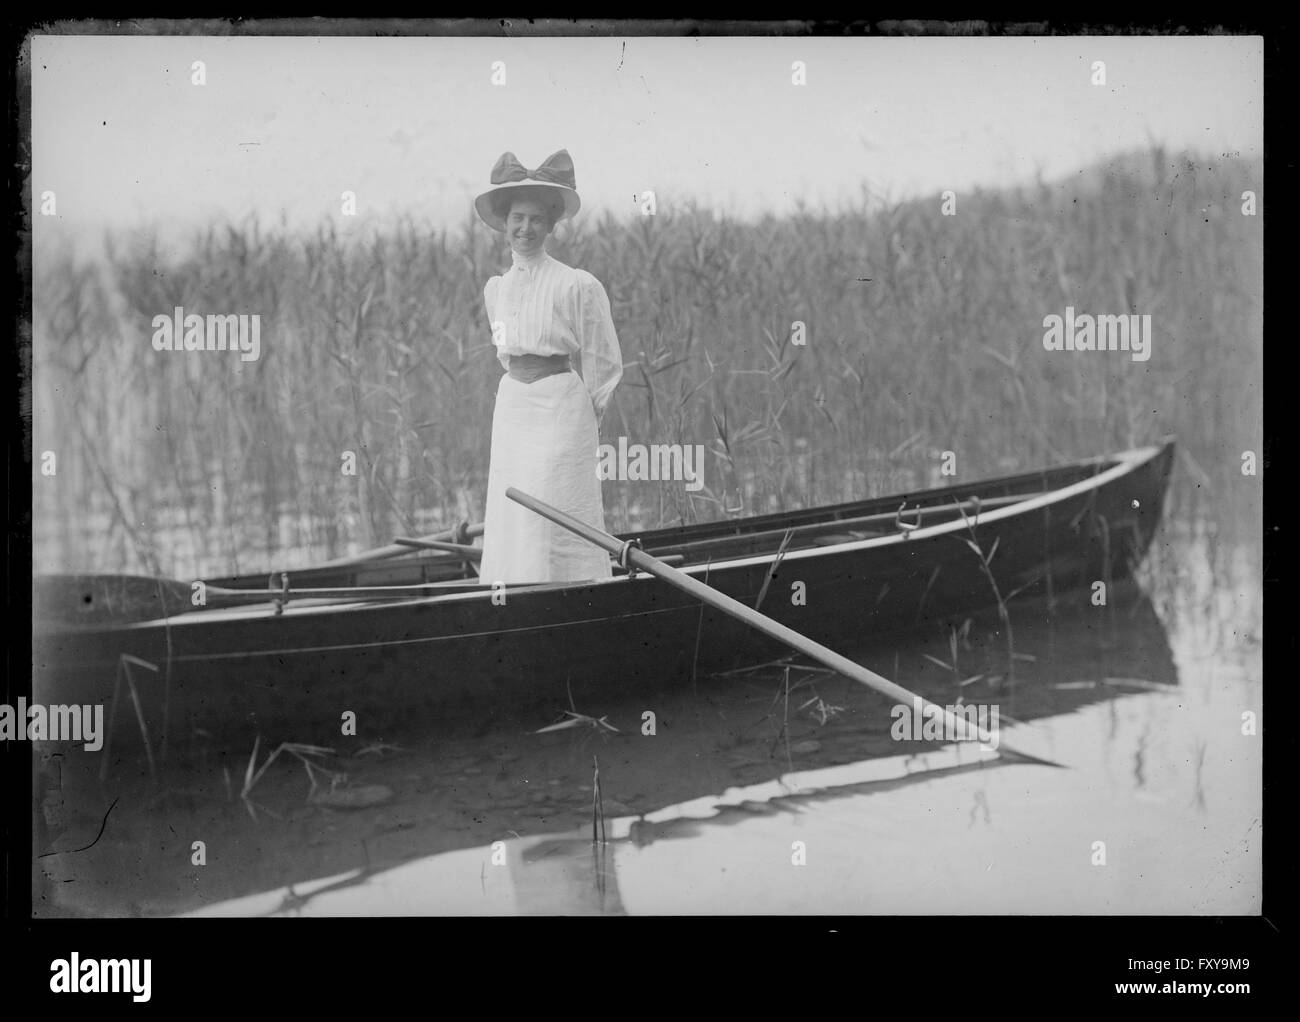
(671, 537)
(1120, 464)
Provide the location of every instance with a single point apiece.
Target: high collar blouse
(540, 306)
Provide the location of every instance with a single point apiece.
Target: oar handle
(588, 532)
(397, 549)
(474, 553)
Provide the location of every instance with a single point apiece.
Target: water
(749, 801)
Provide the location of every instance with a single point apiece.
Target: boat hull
(295, 675)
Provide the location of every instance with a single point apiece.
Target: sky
(284, 125)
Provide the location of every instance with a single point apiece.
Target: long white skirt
(544, 439)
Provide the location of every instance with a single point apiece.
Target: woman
(544, 315)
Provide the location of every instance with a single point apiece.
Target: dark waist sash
(531, 368)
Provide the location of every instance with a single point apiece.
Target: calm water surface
(751, 801)
(1156, 811)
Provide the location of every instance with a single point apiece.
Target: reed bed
(924, 335)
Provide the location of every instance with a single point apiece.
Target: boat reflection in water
(937, 829)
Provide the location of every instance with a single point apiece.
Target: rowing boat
(413, 633)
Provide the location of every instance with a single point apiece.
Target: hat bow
(557, 170)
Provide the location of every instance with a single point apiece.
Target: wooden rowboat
(398, 638)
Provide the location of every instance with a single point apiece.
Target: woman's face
(527, 224)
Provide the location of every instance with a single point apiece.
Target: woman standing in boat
(544, 315)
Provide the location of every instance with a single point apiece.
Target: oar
(122, 599)
(397, 549)
(847, 525)
(628, 554)
(473, 553)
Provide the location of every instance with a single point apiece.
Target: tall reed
(924, 335)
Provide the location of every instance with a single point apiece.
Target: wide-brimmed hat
(555, 177)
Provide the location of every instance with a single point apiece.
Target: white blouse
(540, 306)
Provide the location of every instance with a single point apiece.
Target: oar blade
(629, 554)
(106, 599)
